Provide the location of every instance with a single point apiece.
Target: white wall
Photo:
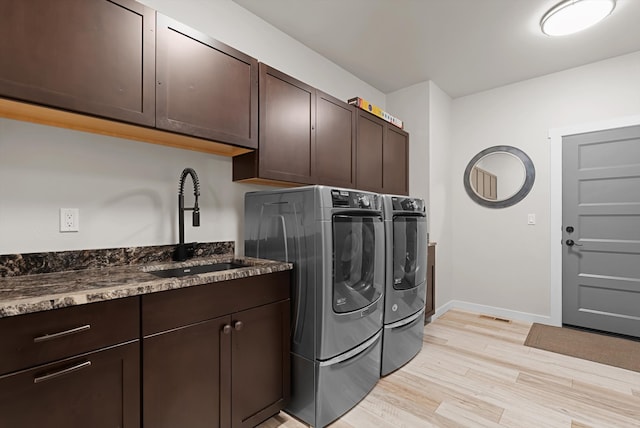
(411, 104)
(125, 190)
(229, 23)
(440, 205)
(500, 264)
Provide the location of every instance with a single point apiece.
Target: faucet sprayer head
(196, 217)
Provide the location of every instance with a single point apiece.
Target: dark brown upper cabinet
(204, 87)
(369, 152)
(306, 136)
(88, 56)
(382, 156)
(335, 155)
(395, 161)
(287, 127)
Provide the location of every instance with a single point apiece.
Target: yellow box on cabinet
(374, 109)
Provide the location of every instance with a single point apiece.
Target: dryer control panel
(408, 204)
(354, 199)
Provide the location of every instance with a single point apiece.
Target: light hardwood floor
(474, 371)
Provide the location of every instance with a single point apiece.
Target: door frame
(555, 194)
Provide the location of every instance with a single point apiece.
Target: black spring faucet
(184, 251)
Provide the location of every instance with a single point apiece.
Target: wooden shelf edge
(26, 112)
(268, 182)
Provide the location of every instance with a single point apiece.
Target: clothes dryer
(335, 240)
(405, 281)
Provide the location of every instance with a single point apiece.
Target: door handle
(571, 243)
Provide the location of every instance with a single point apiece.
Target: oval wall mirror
(499, 176)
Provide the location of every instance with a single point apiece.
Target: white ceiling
(464, 46)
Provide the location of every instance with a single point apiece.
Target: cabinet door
(371, 132)
(260, 363)
(88, 56)
(287, 134)
(98, 389)
(395, 162)
(185, 376)
(430, 305)
(205, 88)
(335, 141)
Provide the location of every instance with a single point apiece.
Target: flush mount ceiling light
(571, 16)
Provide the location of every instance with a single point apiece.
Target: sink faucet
(184, 251)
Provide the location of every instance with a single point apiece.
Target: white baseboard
(493, 311)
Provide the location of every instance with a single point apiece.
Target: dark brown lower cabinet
(216, 355)
(259, 367)
(183, 380)
(430, 305)
(97, 389)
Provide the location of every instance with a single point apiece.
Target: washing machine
(335, 239)
(405, 221)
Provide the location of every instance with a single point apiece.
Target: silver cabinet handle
(47, 337)
(404, 322)
(352, 353)
(50, 376)
(238, 325)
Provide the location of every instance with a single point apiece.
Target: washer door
(409, 251)
(358, 261)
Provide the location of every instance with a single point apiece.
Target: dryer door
(409, 251)
(358, 261)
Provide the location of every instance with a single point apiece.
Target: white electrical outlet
(69, 220)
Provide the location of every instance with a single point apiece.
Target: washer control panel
(354, 199)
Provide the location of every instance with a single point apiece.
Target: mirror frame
(530, 175)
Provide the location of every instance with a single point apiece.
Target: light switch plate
(531, 219)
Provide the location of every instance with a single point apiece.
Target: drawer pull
(44, 378)
(47, 337)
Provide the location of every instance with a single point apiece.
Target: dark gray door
(601, 230)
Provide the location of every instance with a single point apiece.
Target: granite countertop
(35, 288)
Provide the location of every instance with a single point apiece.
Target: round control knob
(363, 201)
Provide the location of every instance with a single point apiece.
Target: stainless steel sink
(193, 270)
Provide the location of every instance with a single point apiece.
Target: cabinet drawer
(176, 308)
(100, 389)
(41, 337)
